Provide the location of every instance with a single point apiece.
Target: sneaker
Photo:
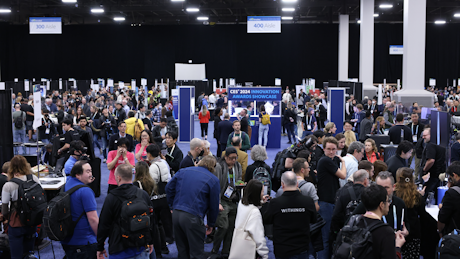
(289, 142)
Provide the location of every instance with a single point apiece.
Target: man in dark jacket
(225, 128)
(192, 193)
(159, 131)
(197, 147)
(403, 152)
(109, 225)
(395, 131)
(449, 214)
(365, 127)
(120, 114)
(285, 212)
(174, 155)
(121, 134)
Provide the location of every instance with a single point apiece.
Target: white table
(52, 187)
(433, 211)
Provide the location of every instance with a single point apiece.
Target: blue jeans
(78, 252)
(263, 133)
(325, 210)
(19, 136)
(290, 131)
(306, 133)
(303, 255)
(95, 141)
(21, 241)
(143, 255)
(104, 146)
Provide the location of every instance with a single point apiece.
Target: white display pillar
(366, 48)
(344, 20)
(413, 81)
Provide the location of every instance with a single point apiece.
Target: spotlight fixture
(97, 10)
(192, 10)
(288, 9)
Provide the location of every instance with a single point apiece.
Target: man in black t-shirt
(395, 131)
(70, 134)
(29, 110)
(433, 162)
(449, 214)
(328, 174)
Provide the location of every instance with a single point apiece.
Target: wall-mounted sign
(45, 25)
(396, 50)
(264, 24)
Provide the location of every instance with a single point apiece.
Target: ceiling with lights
(158, 12)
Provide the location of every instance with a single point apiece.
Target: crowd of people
(159, 194)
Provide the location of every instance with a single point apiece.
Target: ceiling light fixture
(359, 21)
(386, 6)
(286, 18)
(202, 18)
(119, 19)
(192, 10)
(289, 1)
(177, 0)
(5, 11)
(440, 22)
(97, 10)
(457, 15)
(69, 1)
(376, 15)
(288, 9)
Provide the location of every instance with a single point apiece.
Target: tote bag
(243, 246)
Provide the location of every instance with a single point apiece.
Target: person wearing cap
(229, 171)
(76, 150)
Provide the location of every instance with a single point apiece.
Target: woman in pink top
(204, 121)
(146, 139)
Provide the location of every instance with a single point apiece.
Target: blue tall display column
(186, 113)
(336, 107)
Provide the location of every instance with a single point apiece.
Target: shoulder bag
(243, 245)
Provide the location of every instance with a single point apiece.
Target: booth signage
(396, 50)
(45, 25)
(259, 93)
(264, 24)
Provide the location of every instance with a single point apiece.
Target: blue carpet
(59, 252)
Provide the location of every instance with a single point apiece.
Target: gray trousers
(190, 232)
(225, 224)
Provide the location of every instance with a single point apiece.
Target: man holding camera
(77, 152)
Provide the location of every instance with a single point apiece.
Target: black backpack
(31, 201)
(354, 241)
(172, 126)
(57, 218)
(353, 204)
(134, 221)
(449, 246)
(278, 166)
(19, 121)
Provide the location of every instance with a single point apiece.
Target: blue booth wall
(186, 113)
(274, 132)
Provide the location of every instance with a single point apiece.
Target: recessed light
(286, 18)
(202, 18)
(69, 1)
(119, 19)
(177, 0)
(5, 11)
(192, 10)
(289, 1)
(440, 22)
(386, 6)
(97, 10)
(288, 9)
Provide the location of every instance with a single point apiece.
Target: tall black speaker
(6, 131)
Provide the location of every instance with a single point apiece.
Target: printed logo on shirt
(293, 210)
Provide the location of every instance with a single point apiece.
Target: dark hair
(372, 196)
(5, 167)
(44, 110)
(130, 114)
(262, 108)
(217, 111)
(399, 117)
(123, 141)
(349, 122)
(121, 122)
(237, 142)
(318, 134)
(251, 194)
(298, 164)
(339, 136)
(168, 113)
(67, 122)
(150, 135)
(163, 120)
(172, 134)
(405, 146)
(368, 114)
(82, 118)
(304, 154)
(141, 105)
(148, 112)
(77, 168)
(454, 168)
(153, 150)
(365, 164)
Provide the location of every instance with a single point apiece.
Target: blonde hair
(350, 137)
(380, 119)
(373, 144)
(329, 126)
(204, 110)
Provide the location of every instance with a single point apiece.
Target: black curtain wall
(123, 52)
(6, 141)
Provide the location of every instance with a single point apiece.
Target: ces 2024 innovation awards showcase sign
(45, 25)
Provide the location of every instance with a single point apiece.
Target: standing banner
(26, 85)
(175, 95)
(37, 106)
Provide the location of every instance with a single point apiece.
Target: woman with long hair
(342, 148)
(415, 206)
(371, 153)
(379, 166)
(204, 117)
(330, 129)
(76, 118)
(21, 237)
(249, 219)
(146, 139)
(379, 126)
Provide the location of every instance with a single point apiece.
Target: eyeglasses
(389, 201)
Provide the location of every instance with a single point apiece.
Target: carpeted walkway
(59, 253)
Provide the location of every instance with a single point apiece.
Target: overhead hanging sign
(396, 50)
(45, 25)
(258, 93)
(264, 24)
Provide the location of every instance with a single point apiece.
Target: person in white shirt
(249, 219)
(355, 154)
(287, 97)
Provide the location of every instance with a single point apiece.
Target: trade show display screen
(271, 107)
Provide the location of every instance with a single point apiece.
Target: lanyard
(172, 150)
(309, 123)
(416, 130)
(228, 176)
(395, 224)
